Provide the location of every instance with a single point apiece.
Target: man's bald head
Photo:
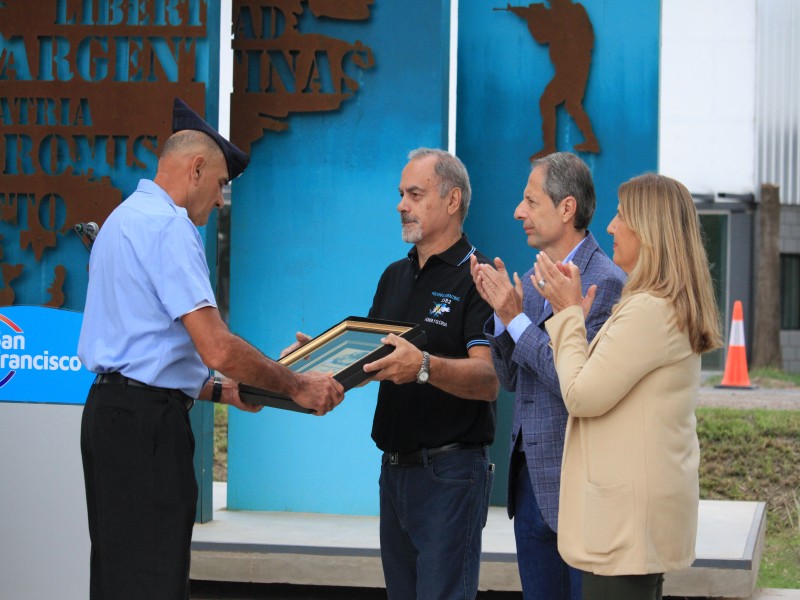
(190, 143)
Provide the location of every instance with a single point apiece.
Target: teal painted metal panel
(202, 414)
(202, 420)
(502, 72)
(313, 225)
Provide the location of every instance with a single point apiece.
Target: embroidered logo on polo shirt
(441, 306)
(439, 309)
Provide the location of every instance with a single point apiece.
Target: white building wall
(777, 106)
(729, 114)
(707, 94)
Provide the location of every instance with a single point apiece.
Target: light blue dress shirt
(147, 269)
(520, 323)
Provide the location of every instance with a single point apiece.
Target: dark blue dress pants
(544, 574)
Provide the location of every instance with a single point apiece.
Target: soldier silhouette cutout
(566, 28)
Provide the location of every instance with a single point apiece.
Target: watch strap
(216, 393)
(424, 370)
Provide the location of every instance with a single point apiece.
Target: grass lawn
(220, 442)
(755, 455)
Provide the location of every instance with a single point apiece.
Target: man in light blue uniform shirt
(152, 331)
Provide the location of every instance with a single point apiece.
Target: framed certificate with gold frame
(342, 350)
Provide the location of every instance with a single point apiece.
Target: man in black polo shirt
(436, 413)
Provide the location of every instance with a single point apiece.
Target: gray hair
(189, 141)
(567, 175)
(451, 173)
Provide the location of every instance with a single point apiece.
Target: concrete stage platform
(332, 550)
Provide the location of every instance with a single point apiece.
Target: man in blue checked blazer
(556, 210)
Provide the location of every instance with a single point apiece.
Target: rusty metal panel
(280, 69)
(86, 91)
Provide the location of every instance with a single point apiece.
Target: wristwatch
(216, 394)
(424, 370)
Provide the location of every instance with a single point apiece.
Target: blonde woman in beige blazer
(629, 482)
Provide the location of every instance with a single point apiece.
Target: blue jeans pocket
(454, 468)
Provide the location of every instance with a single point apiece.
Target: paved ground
(206, 590)
(776, 399)
(779, 399)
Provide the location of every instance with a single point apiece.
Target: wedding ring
(541, 283)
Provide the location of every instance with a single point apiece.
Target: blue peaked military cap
(184, 117)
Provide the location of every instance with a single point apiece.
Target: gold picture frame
(342, 350)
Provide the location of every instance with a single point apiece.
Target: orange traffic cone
(736, 362)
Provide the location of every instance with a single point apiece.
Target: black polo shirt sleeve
(475, 316)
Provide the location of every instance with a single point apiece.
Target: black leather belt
(117, 378)
(416, 459)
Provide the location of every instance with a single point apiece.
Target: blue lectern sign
(38, 356)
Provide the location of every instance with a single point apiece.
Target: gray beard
(412, 236)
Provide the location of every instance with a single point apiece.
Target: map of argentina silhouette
(564, 27)
(279, 70)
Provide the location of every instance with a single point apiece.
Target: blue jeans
(432, 518)
(544, 574)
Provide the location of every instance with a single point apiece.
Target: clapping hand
(496, 288)
(560, 284)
